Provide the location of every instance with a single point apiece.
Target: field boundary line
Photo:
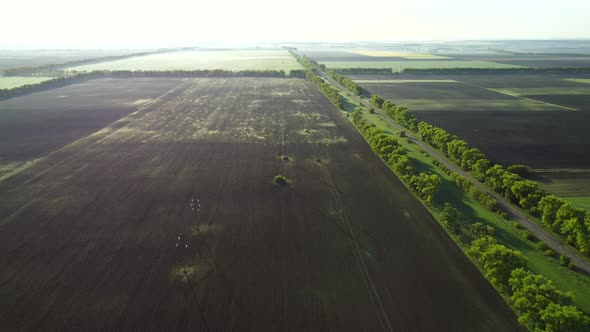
(369, 283)
(516, 96)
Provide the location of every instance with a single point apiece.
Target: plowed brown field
(88, 235)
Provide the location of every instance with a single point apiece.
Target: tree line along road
(554, 243)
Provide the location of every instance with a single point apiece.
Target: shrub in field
(528, 235)
(549, 253)
(542, 246)
(377, 100)
(480, 230)
(281, 179)
(565, 261)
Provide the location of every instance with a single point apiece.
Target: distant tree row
(330, 91)
(52, 69)
(364, 71)
(312, 69)
(346, 82)
(540, 306)
(387, 147)
(73, 78)
(307, 62)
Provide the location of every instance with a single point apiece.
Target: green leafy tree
(480, 168)
(377, 101)
(548, 206)
(532, 294)
(480, 230)
(497, 261)
(470, 157)
(425, 185)
(494, 178)
(560, 318)
(527, 193)
(451, 218)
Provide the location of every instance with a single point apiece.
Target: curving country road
(581, 263)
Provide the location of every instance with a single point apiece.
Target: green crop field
(564, 182)
(9, 82)
(475, 105)
(404, 81)
(545, 91)
(194, 60)
(579, 80)
(398, 66)
(580, 202)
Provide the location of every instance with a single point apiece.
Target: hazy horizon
(67, 24)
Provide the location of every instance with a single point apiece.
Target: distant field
(476, 105)
(579, 80)
(580, 202)
(519, 81)
(549, 139)
(452, 95)
(24, 58)
(538, 60)
(539, 130)
(392, 81)
(564, 182)
(546, 91)
(194, 60)
(433, 91)
(576, 101)
(547, 62)
(398, 66)
(9, 82)
(372, 53)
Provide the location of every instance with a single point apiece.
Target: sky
(165, 23)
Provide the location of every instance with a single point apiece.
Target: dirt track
(88, 235)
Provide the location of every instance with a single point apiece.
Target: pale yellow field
(579, 80)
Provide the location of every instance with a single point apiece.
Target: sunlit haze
(128, 24)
